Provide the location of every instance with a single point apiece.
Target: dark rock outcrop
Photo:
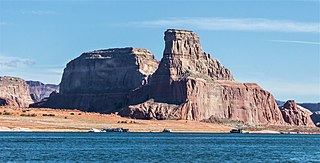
(294, 115)
(316, 118)
(39, 91)
(101, 80)
(14, 92)
(195, 86)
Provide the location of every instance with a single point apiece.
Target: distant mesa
(39, 91)
(187, 83)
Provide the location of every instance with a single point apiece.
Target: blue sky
(273, 43)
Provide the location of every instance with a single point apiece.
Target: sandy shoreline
(52, 120)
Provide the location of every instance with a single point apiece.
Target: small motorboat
(114, 129)
(94, 130)
(166, 130)
(239, 131)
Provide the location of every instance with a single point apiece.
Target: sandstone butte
(187, 84)
(14, 92)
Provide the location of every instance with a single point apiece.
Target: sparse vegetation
(127, 122)
(6, 113)
(50, 115)
(25, 111)
(28, 115)
(71, 113)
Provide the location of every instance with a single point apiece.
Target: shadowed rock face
(316, 118)
(294, 115)
(101, 80)
(195, 86)
(14, 92)
(39, 91)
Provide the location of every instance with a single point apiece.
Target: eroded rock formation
(14, 92)
(39, 91)
(294, 115)
(187, 84)
(101, 80)
(197, 87)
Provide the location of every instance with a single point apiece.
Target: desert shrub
(127, 122)
(7, 113)
(29, 115)
(50, 115)
(71, 113)
(79, 114)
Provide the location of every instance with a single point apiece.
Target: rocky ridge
(14, 92)
(295, 115)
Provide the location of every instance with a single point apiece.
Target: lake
(157, 147)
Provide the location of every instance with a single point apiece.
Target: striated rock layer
(101, 80)
(14, 92)
(294, 115)
(39, 91)
(189, 84)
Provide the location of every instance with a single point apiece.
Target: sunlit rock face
(294, 115)
(14, 92)
(190, 84)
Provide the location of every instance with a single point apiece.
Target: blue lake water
(157, 147)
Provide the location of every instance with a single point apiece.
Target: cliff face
(14, 92)
(196, 86)
(101, 80)
(294, 115)
(39, 91)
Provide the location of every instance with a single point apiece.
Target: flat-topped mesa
(108, 70)
(119, 52)
(101, 80)
(182, 43)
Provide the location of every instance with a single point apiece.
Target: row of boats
(120, 129)
(109, 129)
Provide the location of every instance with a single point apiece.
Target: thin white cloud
(14, 62)
(37, 12)
(297, 42)
(233, 24)
(3, 23)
